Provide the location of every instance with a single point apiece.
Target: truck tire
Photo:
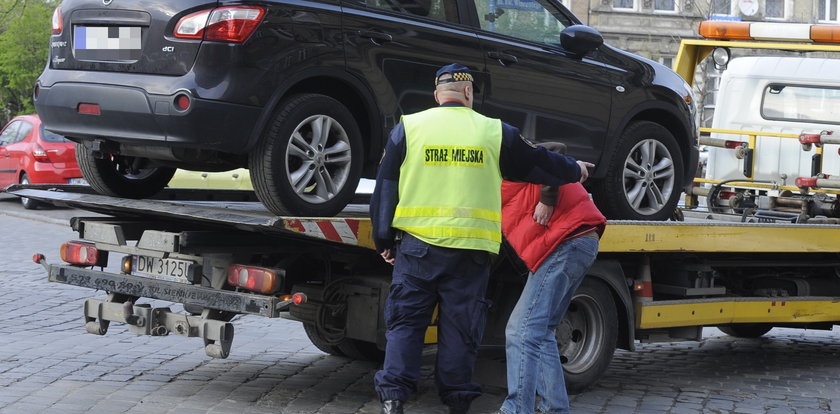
(121, 176)
(746, 330)
(587, 335)
(320, 342)
(309, 159)
(644, 175)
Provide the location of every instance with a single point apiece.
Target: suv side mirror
(580, 39)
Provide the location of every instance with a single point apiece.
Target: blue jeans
(533, 359)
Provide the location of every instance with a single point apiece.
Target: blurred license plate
(107, 43)
(173, 270)
(78, 181)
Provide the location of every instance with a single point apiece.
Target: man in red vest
(555, 231)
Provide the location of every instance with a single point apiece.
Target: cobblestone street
(50, 365)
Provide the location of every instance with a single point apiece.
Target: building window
(827, 11)
(665, 5)
(774, 9)
(624, 4)
(722, 7)
(667, 60)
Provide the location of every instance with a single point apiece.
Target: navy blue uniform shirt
(519, 160)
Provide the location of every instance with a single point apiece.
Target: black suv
(303, 93)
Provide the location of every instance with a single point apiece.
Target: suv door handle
(375, 37)
(503, 58)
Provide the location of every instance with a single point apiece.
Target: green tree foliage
(24, 48)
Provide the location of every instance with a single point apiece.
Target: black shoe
(392, 407)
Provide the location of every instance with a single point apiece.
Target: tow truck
(213, 260)
(772, 149)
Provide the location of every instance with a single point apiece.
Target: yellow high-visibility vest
(450, 181)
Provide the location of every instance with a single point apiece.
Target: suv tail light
(57, 23)
(226, 24)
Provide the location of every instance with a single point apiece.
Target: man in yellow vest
(436, 213)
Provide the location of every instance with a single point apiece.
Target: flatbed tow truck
(652, 281)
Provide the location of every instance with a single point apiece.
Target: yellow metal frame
(629, 237)
(693, 51)
(708, 312)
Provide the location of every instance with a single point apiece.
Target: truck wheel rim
(580, 334)
(318, 159)
(648, 176)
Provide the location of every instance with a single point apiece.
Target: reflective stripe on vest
(450, 181)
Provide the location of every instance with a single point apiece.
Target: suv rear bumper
(134, 116)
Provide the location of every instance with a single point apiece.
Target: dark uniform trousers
(456, 280)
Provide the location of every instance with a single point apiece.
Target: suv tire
(299, 168)
(643, 176)
(121, 176)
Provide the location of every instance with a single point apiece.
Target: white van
(781, 95)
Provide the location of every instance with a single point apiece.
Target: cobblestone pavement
(48, 364)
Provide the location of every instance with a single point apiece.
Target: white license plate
(77, 181)
(173, 270)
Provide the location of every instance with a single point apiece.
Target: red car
(31, 154)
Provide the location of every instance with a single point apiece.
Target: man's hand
(542, 213)
(584, 173)
(388, 256)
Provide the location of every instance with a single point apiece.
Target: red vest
(533, 242)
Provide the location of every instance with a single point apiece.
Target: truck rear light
(226, 24)
(57, 23)
(295, 298)
(83, 253)
(257, 279)
(38, 258)
(299, 298)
